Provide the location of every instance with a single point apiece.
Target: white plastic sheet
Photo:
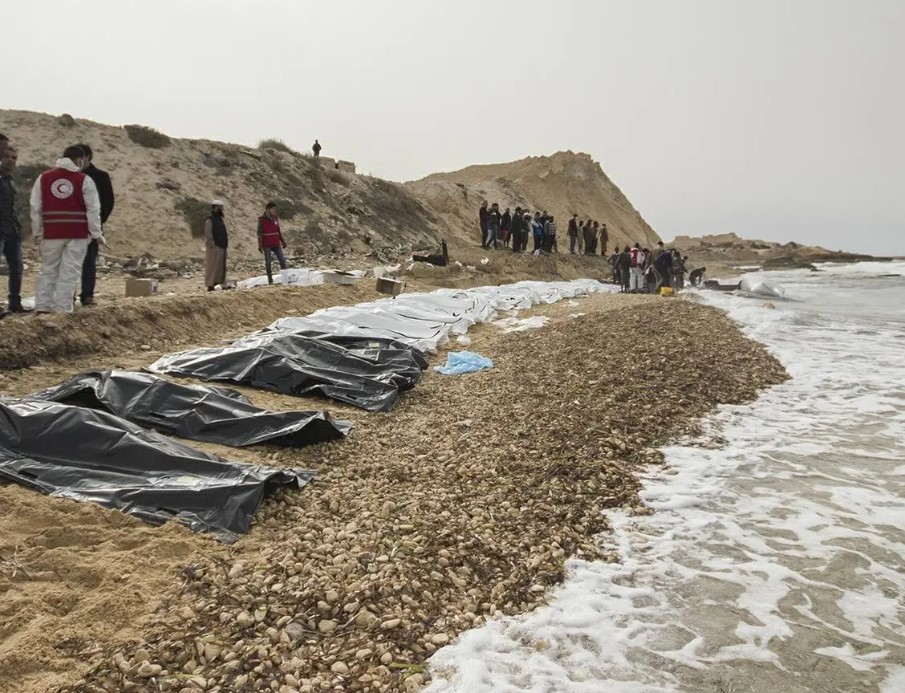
(521, 324)
(427, 320)
(306, 276)
(296, 276)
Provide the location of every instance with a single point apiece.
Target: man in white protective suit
(65, 217)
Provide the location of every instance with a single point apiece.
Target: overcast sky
(776, 119)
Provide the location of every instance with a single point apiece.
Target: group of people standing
(69, 205)
(586, 236)
(271, 243)
(640, 270)
(515, 229)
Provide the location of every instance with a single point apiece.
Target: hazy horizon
(777, 121)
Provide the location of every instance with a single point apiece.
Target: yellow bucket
(666, 291)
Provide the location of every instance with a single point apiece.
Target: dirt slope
(563, 184)
(334, 210)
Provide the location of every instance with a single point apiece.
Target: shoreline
(460, 504)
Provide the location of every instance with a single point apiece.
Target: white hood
(68, 164)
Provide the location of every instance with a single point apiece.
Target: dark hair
(87, 149)
(270, 205)
(3, 138)
(73, 152)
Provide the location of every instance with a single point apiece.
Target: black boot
(15, 305)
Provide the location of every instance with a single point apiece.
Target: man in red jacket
(270, 239)
(65, 216)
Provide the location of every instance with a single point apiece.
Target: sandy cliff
(564, 183)
(163, 187)
(162, 193)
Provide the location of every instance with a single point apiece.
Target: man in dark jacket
(505, 226)
(625, 268)
(663, 265)
(515, 229)
(573, 233)
(10, 228)
(216, 244)
(482, 219)
(105, 193)
(493, 226)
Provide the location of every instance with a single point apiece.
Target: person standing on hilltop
(505, 226)
(105, 194)
(595, 238)
(482, 219)
(584, 241)
(270, 239)
(573, 233)
(515, 230)
(537, 232)
(10, 228)
(65, 216)
(604, 238)
(216, 242)
(493, 225)
(316, 148)
(550, 233)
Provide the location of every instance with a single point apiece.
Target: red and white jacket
(65, 204)
(637, 258)
(269, 232)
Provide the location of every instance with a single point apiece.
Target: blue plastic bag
(458, 362)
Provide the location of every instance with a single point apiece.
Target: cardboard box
(141, 287)
(387, 285)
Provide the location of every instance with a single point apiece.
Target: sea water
(775, 560)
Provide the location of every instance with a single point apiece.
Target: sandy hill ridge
(164, 186)
(564, 183)
(158, 190)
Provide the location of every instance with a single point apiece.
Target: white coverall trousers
(636, 278)
(61, 272)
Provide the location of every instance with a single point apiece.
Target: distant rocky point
(728, 250)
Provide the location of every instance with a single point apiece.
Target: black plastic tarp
(367, 372)
(210, 414)
(88, 455)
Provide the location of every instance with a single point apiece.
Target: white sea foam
(773, 562)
